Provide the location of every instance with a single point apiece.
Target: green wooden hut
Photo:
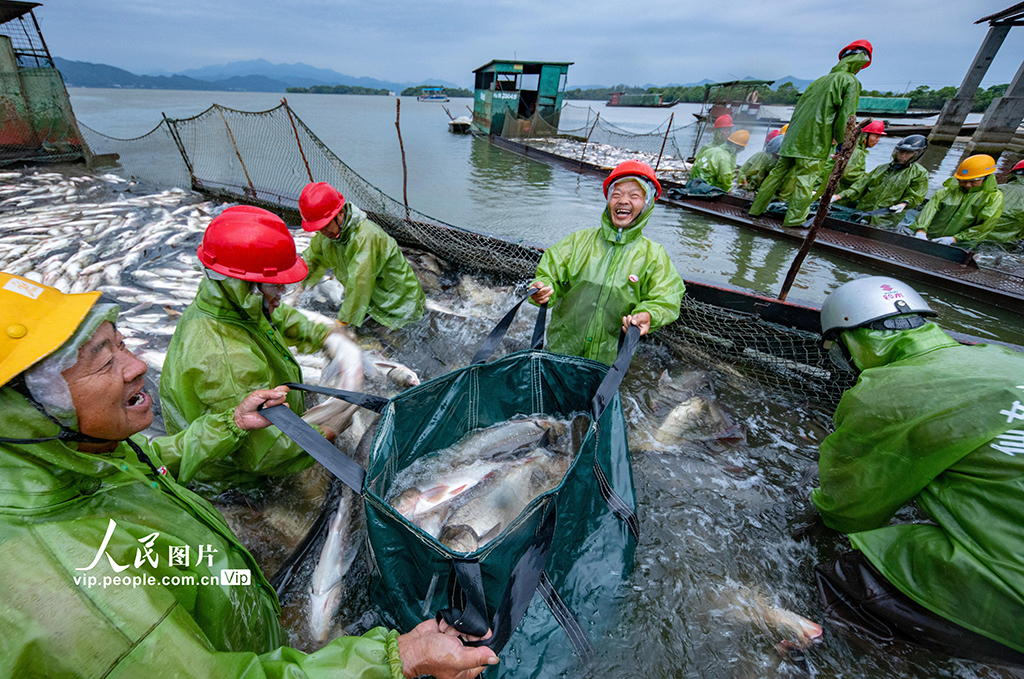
(526, 89)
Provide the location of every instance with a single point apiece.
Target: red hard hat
(632, 168)
(723, 121)
(863, 44)
(1018, 166)
(319, 204)
(251, 244)
(772, 135)
(875, 127)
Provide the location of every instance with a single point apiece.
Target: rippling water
(715, 516)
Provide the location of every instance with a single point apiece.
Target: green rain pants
(803, 174)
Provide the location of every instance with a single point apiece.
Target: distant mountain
(798, 83)
(85, 74)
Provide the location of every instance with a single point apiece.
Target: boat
(522, 92)
(460, 125)
(647, 100)
(739, 99)
(943, 266)
(432, 94)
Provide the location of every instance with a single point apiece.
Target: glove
(923, 235)
(898, 208)
(835, 197)
(944, 240)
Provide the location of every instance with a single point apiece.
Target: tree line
(786, 94)
(450, 91)
(336, 89)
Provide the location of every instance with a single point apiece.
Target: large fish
(343, 371)
(336, 558)
(747, 605)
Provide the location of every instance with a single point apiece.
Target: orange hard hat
(856, 46)
(251, 244)
(875, 127)
(740, 138)
(319, 203)
(975, 167)
(632, 168)
(723, 121)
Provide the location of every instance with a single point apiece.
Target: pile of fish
(608, 156)
(467, 494)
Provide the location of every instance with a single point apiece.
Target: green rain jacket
(967, 216)
(941, 424)
(885, 186)
(1010, 226)
(62, 615)
(600, 275)
(222, 350)
(821, 111)
(755, 170)
(716, 165)
(377, 278)
(855, 168)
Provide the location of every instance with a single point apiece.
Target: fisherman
(940, 424)
(108, 567)
(723, 129)
(757, 167)
(716, 165)
(233, 338)
(897, 186)
(600, 281)
(1010, 225)
(856, 166)
(819, 118)
(378, 280)
(967, 206)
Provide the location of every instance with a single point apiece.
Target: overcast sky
(930, 42)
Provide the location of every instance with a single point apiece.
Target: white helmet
(867, 300)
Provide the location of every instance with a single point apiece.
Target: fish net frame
(223, 153)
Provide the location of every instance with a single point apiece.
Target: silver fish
(336, 558)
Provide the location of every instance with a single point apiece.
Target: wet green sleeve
(917, 190)
(208, 438)
(665, 290)
(551, 270)
(315, 260)
(365, 258)
(924, 220)
(298, 331)
(991, 211)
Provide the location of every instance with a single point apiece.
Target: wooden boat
(652, 100)
(912, 259)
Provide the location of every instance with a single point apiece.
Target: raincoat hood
(988, 186)
(875, 348)
(852, 64)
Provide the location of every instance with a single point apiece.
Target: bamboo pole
(596, 118)
(665, 140)
(231, 134)
(401, 146)
(853, 130)
(297, 140)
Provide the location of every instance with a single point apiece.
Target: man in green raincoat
(818, 119)
(378, 280)
(753, 172)
(967, 206)
(716, 165)
(939, 424)
(108, 567)
(1010, 225)
(233, 338)
(599, 281)
(899, 185)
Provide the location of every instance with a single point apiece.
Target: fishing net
(36, 122)
(266, 158)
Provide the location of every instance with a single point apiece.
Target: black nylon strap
(375, 403)
(523, 582)
(572, 628)
(345, 468)
(610, 384)
(498, 334)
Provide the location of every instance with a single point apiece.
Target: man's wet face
(625, 203)
(968, 184)
(107, 389)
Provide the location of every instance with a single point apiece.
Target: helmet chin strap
(18, 384)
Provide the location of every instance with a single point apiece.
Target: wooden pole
(297, 140)
(663, 141)
(401, 146)
(252, 188)
(596, 118)
(853, 130)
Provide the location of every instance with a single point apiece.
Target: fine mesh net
(266, 158)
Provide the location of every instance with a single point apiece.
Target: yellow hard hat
(976, 166)
(784, 128)
(740, 137)
(36, 321)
